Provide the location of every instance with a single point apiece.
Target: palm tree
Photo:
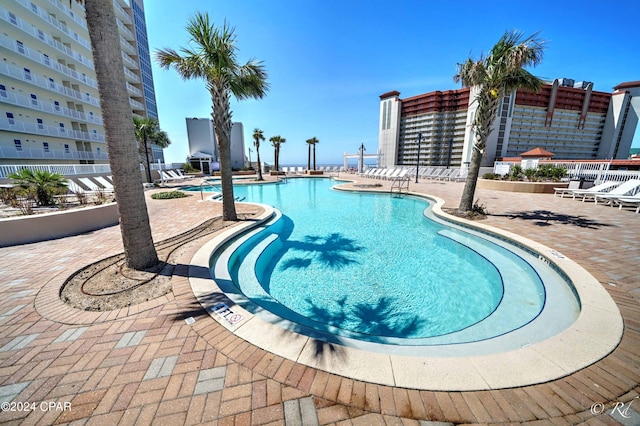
(41, 184)
(140, 253)
(147, 133)
(212, 57)
(276, 141)
(257, 137)
(493, 77)
(313, 141)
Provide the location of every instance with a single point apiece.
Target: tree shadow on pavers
(549, 218)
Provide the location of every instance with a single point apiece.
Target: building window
(40, 123)
(18, 144)
(66, 148)
(41, 34)
(47, 60)
(27, 74)
(34, 100)
(62, 127)
(10, 118)
(52, 83)
(13, 19)
(45, 146)
(98, 151)
(3, 91)
(20, 46)
(34, 8)
(56, 106)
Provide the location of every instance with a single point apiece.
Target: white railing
(38, 104)
(63, 169)
(13, 125)
(31, 78)
(45, 60)
(78, 18)
(46, 38)
(596, 171)
(50, 154)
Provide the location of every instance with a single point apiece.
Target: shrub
(491, 176)
(530, 174)
(516, 173)
(40, 184)
(168, 195)
(188, 168)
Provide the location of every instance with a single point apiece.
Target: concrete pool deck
(170, 362)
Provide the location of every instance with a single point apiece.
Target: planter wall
(40, 227)
(515, 186)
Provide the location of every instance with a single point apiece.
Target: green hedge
(168, 195)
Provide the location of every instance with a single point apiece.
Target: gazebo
(531, 158)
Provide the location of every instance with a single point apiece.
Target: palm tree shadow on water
(373, 320)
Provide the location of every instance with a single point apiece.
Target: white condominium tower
(49, 101)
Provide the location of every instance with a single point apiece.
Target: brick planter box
(314, 172)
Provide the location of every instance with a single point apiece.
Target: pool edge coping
(596, 333)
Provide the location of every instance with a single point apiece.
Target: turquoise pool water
(372, 267)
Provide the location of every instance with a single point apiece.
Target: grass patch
(168, 195)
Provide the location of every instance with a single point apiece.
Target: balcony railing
(45, 60)
(63, 169)
(39, 105)
(57, 24)
(51, 154)
(13, 125)
(30, 78)
(80, 20)
(46, 38)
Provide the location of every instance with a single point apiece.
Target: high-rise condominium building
(567, 118)
(203, 145)
(49, 101)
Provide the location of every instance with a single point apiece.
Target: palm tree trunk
(468, 193)
(314, 157)
(309, 156)
(146, 152)
(259, 165)
(222, 126)
(137, 240)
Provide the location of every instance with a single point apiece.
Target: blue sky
(329, 60)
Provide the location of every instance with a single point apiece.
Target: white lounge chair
(299, 170)
(626, 188)
(102, 181)
(90, 184)
(75, 188)
(628, 201)
(603, 187)
(182, 175)
(168, 178)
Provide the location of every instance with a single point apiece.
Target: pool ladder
(400, 186)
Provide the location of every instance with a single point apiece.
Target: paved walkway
(168, 362)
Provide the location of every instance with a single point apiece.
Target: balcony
(129, 61)
(47, 107)
(46, 61)
(55, 23)
(51, 154)
(45, 38)
(30, 78)
(122, 13)
(19, 126)
(77, 18)
(124, 30)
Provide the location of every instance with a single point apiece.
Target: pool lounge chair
(168, 178)
(627, 188)
(633, 201)
(75, 188)
(92, 185)
(603, 187)
(102, 181)
(174, 174)
(299, 170)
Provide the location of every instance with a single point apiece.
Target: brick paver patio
(167, 362)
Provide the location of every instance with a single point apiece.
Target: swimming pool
(380, 272)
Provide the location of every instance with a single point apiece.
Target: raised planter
(314, 172)
(46, 226)
(516, 186)
(275, 173)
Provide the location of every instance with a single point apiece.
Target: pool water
(372, 267)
